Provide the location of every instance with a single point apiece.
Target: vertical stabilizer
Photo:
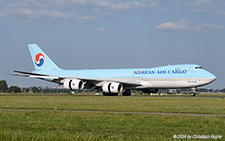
(40, 59)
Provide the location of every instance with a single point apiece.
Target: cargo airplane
(114, 81)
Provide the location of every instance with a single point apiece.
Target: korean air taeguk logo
(39, 59)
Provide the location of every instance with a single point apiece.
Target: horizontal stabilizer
(14, 74)
(30, 73)
(33, 75)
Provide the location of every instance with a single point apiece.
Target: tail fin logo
(39, 59)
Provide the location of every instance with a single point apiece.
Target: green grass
(99, 103)
(55, 125)
(72, 125)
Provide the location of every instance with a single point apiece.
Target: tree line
(15, 89)
(4, 88)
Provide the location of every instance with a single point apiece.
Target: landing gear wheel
(192, 94)
(116, 94)
(126, 93)
(110, 94)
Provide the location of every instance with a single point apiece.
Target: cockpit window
(198, 67)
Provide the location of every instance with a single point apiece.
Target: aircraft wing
(60, 80)
(100, 82)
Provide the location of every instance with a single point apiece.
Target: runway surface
(116, 112)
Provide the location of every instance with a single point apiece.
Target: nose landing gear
(193, 93)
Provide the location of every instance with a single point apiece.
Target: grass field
(73, 125)
(99, 103)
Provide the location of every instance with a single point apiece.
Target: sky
(102, 34)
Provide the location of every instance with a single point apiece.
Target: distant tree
(210, 90)
(26, 90)
(202, 90)
(3, 86)
(223, 90)
(34, 89)
(14, 89)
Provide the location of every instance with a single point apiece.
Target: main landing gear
(126, 93)
(110, 94)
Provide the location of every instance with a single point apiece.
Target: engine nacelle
(150, 90)
(73, 84)
(112, 87)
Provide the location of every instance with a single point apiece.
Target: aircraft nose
(212, 77)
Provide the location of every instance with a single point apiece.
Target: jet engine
(112, 87)
(73, 84)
